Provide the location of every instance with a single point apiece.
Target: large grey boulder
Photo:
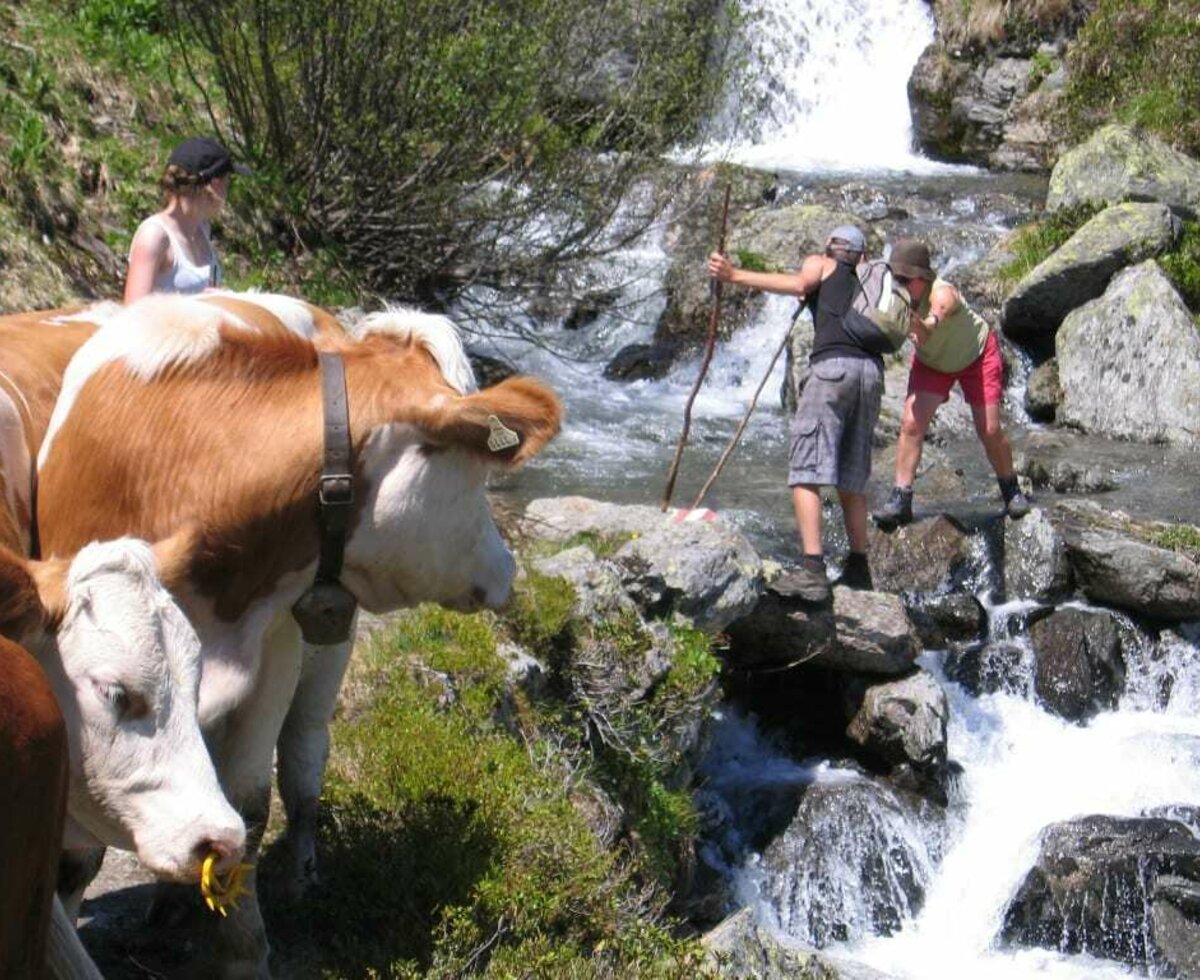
(1114, 888)
(1129, 362)
(1115, 562)
(1119, 163)
(742, 947)
(1080, 662)
(704, 571)
(1079, 270)
(561, 518)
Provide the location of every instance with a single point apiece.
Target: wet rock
(901, 721)
(941, 619)
(590, 308)
(490, 370)
(641, 362)
(1114, 563)
(1036, 563)
(989, 668)
(874, 635)
(1115, 888)
(1065, 476)
(1042, 391)
(784, 630)
(1119, 163)
(866, 632)
(848, 866)
(1080, 667)
(1080, 270)
(1138, 337)
(741, 947)
(919, 557)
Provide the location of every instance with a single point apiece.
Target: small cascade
(833, 95)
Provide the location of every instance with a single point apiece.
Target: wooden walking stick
(737, 435)
(709, 343)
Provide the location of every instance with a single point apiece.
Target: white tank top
(183, 276)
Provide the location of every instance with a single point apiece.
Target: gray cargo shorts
(834, 421)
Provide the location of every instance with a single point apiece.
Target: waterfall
(832, 93)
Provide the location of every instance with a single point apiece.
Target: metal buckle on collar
(336, 490)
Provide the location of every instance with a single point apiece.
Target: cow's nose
(227, 845)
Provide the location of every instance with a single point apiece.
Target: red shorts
(982, 380)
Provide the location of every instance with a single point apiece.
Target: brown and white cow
(115, 649)
(217, 403)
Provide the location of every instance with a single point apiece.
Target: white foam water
(833, 90)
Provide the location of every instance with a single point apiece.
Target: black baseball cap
(206, 158)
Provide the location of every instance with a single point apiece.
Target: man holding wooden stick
(838, 403)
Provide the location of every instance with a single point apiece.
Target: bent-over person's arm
(798, 283)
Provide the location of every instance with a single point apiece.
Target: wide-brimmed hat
(910, 258)
(206, 158)
(850, 236)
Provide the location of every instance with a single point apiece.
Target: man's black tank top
(830, 305)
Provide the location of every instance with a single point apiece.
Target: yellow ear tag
(220, 895)
(501, 437)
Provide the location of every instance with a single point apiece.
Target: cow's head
(424, 530)
(124, 664)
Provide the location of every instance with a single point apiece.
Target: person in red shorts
(954, 344)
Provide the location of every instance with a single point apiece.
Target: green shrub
(452, 847)
(1137, 61)
(1041, 65)
(754, 261)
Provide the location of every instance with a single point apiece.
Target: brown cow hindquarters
(34, 761)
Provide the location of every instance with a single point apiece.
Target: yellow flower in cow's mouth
(220, 894)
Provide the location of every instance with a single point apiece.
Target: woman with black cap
(172, 251)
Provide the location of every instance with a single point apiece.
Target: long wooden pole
(745, 420)
(709, 344)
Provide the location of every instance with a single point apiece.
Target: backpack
(883, 307)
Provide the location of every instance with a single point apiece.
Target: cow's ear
(33, 595)
(508, 423)
(175, 556)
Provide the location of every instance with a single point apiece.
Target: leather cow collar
(325, 612)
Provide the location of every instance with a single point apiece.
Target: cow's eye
(430, 449)
(125, 705)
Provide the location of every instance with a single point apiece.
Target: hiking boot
(856, 573)
(807, 581)
(897, 510)
(1016, 504)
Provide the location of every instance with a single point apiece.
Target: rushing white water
(1023, 770)
(833, 90)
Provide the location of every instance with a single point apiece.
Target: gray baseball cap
(851, 235)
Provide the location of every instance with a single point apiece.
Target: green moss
(540, 614)
(1182, 265)
(1035, 242)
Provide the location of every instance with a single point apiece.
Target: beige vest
(957, 340)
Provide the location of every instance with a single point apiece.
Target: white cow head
(125, 666)
(424, 532)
